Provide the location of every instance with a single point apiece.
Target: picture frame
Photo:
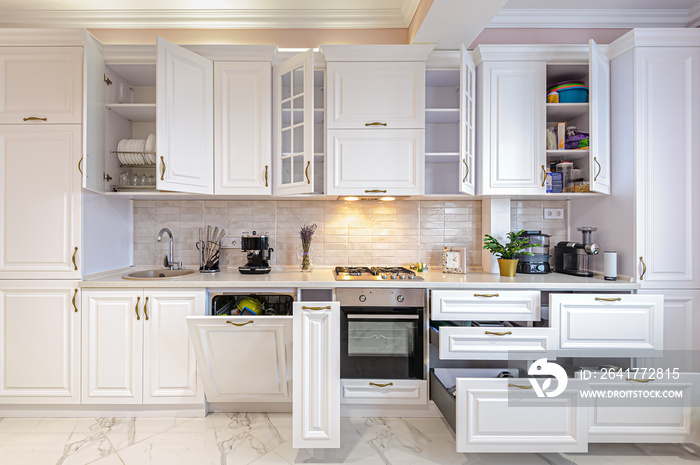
(454, 259)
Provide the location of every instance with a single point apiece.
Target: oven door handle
(363, 316)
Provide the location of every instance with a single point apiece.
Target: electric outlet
(553, 213)
(230, 243)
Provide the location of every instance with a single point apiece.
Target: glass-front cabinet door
(293, 96)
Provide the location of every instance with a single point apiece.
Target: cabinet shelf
(441, 157)
(570, 155)
(563, 112)
(136, 112)
(442, 115)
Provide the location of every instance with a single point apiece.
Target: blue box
(555, 182)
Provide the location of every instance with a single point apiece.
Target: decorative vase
(507, 266)
(304, 254)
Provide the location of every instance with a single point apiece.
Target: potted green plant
(508, 254)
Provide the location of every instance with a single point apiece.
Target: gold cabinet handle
(375, 191)
(75, 265)
(466, 165)
(265, 175)
(644, 268)
(519, 386)
(75, 294)
(316, 308)
(80, 162)
(376, 123)
(145, 308)
(609, 299)
(239, 324)
(485, 295)
(306, 171)
(640, 380)
(136, 308)
(33, 118)
(162, 168)
(600, 168)
(498, 334)
(544, 175)
(381, 385)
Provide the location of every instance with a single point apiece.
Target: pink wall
(546, 36)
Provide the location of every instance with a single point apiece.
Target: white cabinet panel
(512, 127)
(494, 343)
(316, 403)
(361, 162)
(40, 85)
(487, 305)
(39, 342)
(467, 123)
(244, 359)
(376, 95)
(384, 391)
(112, 347)
(40, 217)
(243, 128)
(185, 113)
(170, 367)
(599, 76)
(667, 125)
(609, 324)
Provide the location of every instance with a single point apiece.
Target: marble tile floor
(256, 438)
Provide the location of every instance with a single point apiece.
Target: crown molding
(694, 16)
(41, 37)
(408, 9)
(588, 18)
(376, 52)
(217, 19)
(654, 37)
(444, 59)
(528, 52)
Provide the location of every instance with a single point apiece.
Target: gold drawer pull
(600, 168)
(498, 334)
(485, 295)
(381, 385)
(80, 162)
(644, 268)
(75, 294)
(544, 173)
(466, 166)
(162, 172)
(609, 299)
(375, 191)
(33, 118)
(239, 324)
(145, 308)
(519, 386)
(640, 380)
(306, 172)
(75, 265)
(265, 175)
(316, 308)
(376, 123)
(136, 308)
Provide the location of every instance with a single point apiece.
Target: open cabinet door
(92, 165)
(293, 94)
(184, 120)
(599, 98)
(467, 94)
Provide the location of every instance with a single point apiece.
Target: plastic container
(566, 168)
(573, 95)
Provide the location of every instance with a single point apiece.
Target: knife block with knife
(210, 250)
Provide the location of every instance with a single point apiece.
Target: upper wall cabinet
(242, 128)
(40, 85)
(515, 118)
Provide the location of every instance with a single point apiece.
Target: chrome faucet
(168, 262)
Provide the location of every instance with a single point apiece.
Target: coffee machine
(573, 257)
(259, 253)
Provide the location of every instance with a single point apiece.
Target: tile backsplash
(355, 233)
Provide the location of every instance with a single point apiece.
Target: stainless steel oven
(382, 333)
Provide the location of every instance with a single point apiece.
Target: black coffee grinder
(259, 253)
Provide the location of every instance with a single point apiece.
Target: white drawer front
(494, 343)
(485, 305)
(488, 422)
(366, 391)
(608, 324)
(644, 420)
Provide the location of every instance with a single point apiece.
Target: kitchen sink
(158, 274)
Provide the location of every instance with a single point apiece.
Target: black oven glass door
(382, 343)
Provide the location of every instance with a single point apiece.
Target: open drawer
(492, 343)
(244, 358)
(644, 419)
(487, 417)
(383, 392)
(485, 305)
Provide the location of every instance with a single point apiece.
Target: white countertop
(323, 279)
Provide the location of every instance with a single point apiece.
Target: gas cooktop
(374, 273)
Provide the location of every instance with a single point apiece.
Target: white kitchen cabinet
(608, 325)
(316, 403)
(40, 202)
(599, 98)
(374, 162)
(41, 85)
(243, 128)
(376, 95)
(467, 123)
(40, 342)
(384, 391)
(242, 358)
(184, 111)
(293, 96)
(486, 305)
(136, 347)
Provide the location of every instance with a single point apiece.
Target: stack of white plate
(135, 151)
